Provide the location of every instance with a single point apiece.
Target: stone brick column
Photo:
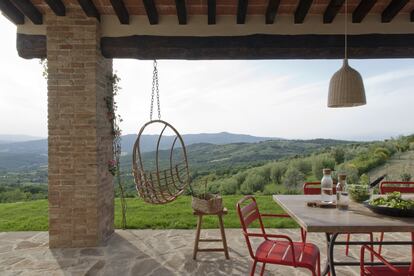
(81, 196)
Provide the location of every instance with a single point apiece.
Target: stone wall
(81, 196)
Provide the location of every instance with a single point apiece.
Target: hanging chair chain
(155, 90)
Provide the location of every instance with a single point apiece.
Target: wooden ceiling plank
(57, 7)
(90, 9)
(271, 11)
(412, 16)
(362, 10)
(121, 11)
(28, 9)
(211, 7)
(11, 12)
(181, 12)
(392, 10)
(332, 10)
(242, 11)
(152, 12)
(302, 10)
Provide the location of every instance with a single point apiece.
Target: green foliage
(254, 182)
(351, 172)
(293, 178)
(277, 171)
(364, 180)
(229, 186)
(339, 155)
(406, 176)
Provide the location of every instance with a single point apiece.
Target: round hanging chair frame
(160, 186)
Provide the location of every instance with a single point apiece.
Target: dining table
(333, 222)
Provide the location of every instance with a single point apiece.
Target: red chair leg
(348, 237)
(303, 234)
(381, 240)
(253, 268)
(263, 269)
(371, 239)
(319, 264)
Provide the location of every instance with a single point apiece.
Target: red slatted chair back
(248, 213)
(314, 188)
(396, 186)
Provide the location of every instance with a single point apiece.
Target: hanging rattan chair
(161, 185)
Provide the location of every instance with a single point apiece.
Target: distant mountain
(28, 154)
(8, 138)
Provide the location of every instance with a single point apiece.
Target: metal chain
(155, 90)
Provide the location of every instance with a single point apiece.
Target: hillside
(395, 166)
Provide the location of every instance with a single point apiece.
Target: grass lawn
(32, 215)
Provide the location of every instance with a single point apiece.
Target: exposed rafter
(121, 11)
(241, 11)
(271, 11)
(392, 10)
(89, 8)
(152, 12)
(362, 10)
(302, 10)
(57, 7)
(11, 12)
(211, 7)
(181, 12)
(332, 10)
(412, 16)
(29, 10)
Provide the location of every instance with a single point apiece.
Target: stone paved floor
(150, 252)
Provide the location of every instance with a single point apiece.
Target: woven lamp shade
(346, 88)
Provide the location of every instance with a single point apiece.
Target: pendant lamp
(346, 88)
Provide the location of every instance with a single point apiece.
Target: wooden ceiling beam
(90, 9)
(392, 10)
(271, 11)
(362, 10)
(332, 10)
(242, 11)
(121, 11)
(57, 7)
(302, 10)
(181, 12)
(28, 9)
(11, 12)
(152, 12)
(412, 16)
(211, 9)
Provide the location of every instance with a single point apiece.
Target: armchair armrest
(276, 215)
(379, 257)
(266, 236)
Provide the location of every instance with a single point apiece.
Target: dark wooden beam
(57, 7)
(28, 9)
(152, 12)
(211, 6)
(241, 11)
(302, 10)
(412, 16)
(392, 10)
(181, 12)
(90, 9)
(11, 12)
(121, 11)
(332, 10)
(240, 47)
(271, 11)
(362, 10)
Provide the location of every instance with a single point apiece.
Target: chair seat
(385, 271)
(280, 252)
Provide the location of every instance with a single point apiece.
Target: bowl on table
(359, 193)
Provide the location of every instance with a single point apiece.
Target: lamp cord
(346, 29)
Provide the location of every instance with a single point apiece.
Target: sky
(272, 98)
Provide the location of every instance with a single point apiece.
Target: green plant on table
(359, 193)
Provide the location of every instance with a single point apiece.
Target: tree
(228, 186)
(339, 155)
(277, 171)
(253, 183)
(293, 178)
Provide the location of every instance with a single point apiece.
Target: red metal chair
(275, 249)
(314, 188)
(387, 269)
(394, 186)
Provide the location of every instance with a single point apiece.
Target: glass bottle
(326, 186)
(342, 200)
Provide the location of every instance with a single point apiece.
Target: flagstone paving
(154, 252)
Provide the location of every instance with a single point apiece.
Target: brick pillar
(81, 196)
